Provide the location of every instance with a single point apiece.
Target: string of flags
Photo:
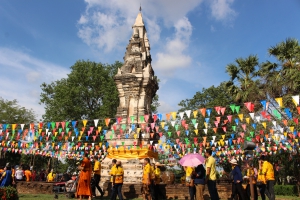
(224, 129)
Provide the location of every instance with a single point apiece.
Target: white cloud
(22, 76)
(173, 55)
(32, 76)
(167, 107)
(221, 10)
(107, 24)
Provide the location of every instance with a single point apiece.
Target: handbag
(259, 183)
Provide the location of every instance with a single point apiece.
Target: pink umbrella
(192, 160)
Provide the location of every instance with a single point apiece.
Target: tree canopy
(88, 92)
(12, 113)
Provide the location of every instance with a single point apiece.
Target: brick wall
(130, 191)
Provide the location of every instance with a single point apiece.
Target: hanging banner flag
(168, 116)
(188, 113)
(174, 115)
(248, 120)
(223, 110)
(257, 118)
(279, 101)
(208, 111)
(203, 111)
(181, 115)
(229, 117)
(241, 116)
(237, 109)
(195, 112)
(232, 107)
(296, 100)
(218, 109)
(83, 121)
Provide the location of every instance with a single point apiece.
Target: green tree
(244, 85)
(208, 97)
(88, 92)
(11, 113)
(282, 78)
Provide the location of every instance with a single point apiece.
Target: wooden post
(251, 187)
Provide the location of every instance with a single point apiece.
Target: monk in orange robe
(84, 182)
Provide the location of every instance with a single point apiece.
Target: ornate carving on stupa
(136, 85)
(135, 80)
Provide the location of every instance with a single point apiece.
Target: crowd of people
(261, 178)
(256, 178)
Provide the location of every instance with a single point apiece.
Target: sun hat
(158, 164)
(234, 162)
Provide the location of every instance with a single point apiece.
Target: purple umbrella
(192, 160)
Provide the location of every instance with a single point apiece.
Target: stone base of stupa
(132, 162)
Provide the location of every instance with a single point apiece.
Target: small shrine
(131, 138)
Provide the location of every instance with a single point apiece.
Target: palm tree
(243, 84)
(282, 78)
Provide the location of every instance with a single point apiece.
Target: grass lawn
(63, 197)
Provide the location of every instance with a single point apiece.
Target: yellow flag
(273, 137)
(162, 124)
(222, 142)
(84, 122)
(296, 140)
(100, 144)
(55, 134)
(279, 101)
(135, 136)
(195, 112)
(81, 132)
(99, 128)
(196, 131)
(40, 130)
(13, 126)
(138, 130)
(159, 141)
(264, 124)
(241, 116)
(205, 124)
(285, 134)
(79, 137)
(173, 115)
(292, 128)
(223, 137)
(248, 120)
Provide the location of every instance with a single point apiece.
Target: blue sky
(191, 41)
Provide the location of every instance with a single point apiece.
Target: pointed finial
(140, 7)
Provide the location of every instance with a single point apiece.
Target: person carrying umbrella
(199, 181)
(190, 161)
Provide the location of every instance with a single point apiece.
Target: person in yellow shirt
(268, 172)
(261, 181)
(146, 179)
(118, 176)
(188, 179)
(251, 172)
(157, 181)
(112, 172)
(50, 176)
(28, 175)
(97, 176)
(152, 181)
(211, 175)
